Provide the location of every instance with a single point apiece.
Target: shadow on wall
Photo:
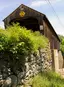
(19, 71)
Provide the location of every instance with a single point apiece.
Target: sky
(55, 15)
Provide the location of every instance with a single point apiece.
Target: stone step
(61, 72)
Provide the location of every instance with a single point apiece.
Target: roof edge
(12, 12)
(25, 6)
(52, 28)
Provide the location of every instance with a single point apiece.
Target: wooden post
(56, 60)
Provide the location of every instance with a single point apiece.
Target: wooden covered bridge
(36, 21)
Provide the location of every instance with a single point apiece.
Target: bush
(47, 79)
(62, 43)
(20, 41)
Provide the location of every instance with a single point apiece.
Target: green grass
(47, 79)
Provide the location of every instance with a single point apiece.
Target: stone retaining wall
(34, 63)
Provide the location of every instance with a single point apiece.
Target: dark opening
(29, 23)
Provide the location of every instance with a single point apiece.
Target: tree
(62, 43)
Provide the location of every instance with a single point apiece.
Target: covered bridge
(36, 21)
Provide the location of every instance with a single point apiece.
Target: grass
(47, 79)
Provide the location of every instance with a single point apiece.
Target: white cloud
(3, 6)
(1, 24)
(57, 25)
(37, 3)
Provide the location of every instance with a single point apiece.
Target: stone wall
(33, 64)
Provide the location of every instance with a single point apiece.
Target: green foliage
(47, 79)
(62, 43)
(19, 40)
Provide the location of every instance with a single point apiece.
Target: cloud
(57, 25)
(7, 5)
(1, 24)
(38, 3)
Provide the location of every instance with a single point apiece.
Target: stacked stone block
(34, 64)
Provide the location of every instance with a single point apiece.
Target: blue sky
(7, 6)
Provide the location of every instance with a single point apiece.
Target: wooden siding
(54, 43)
(28, 13)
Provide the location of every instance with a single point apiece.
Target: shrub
(20, 41)
(62, 43)
(47, 79)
